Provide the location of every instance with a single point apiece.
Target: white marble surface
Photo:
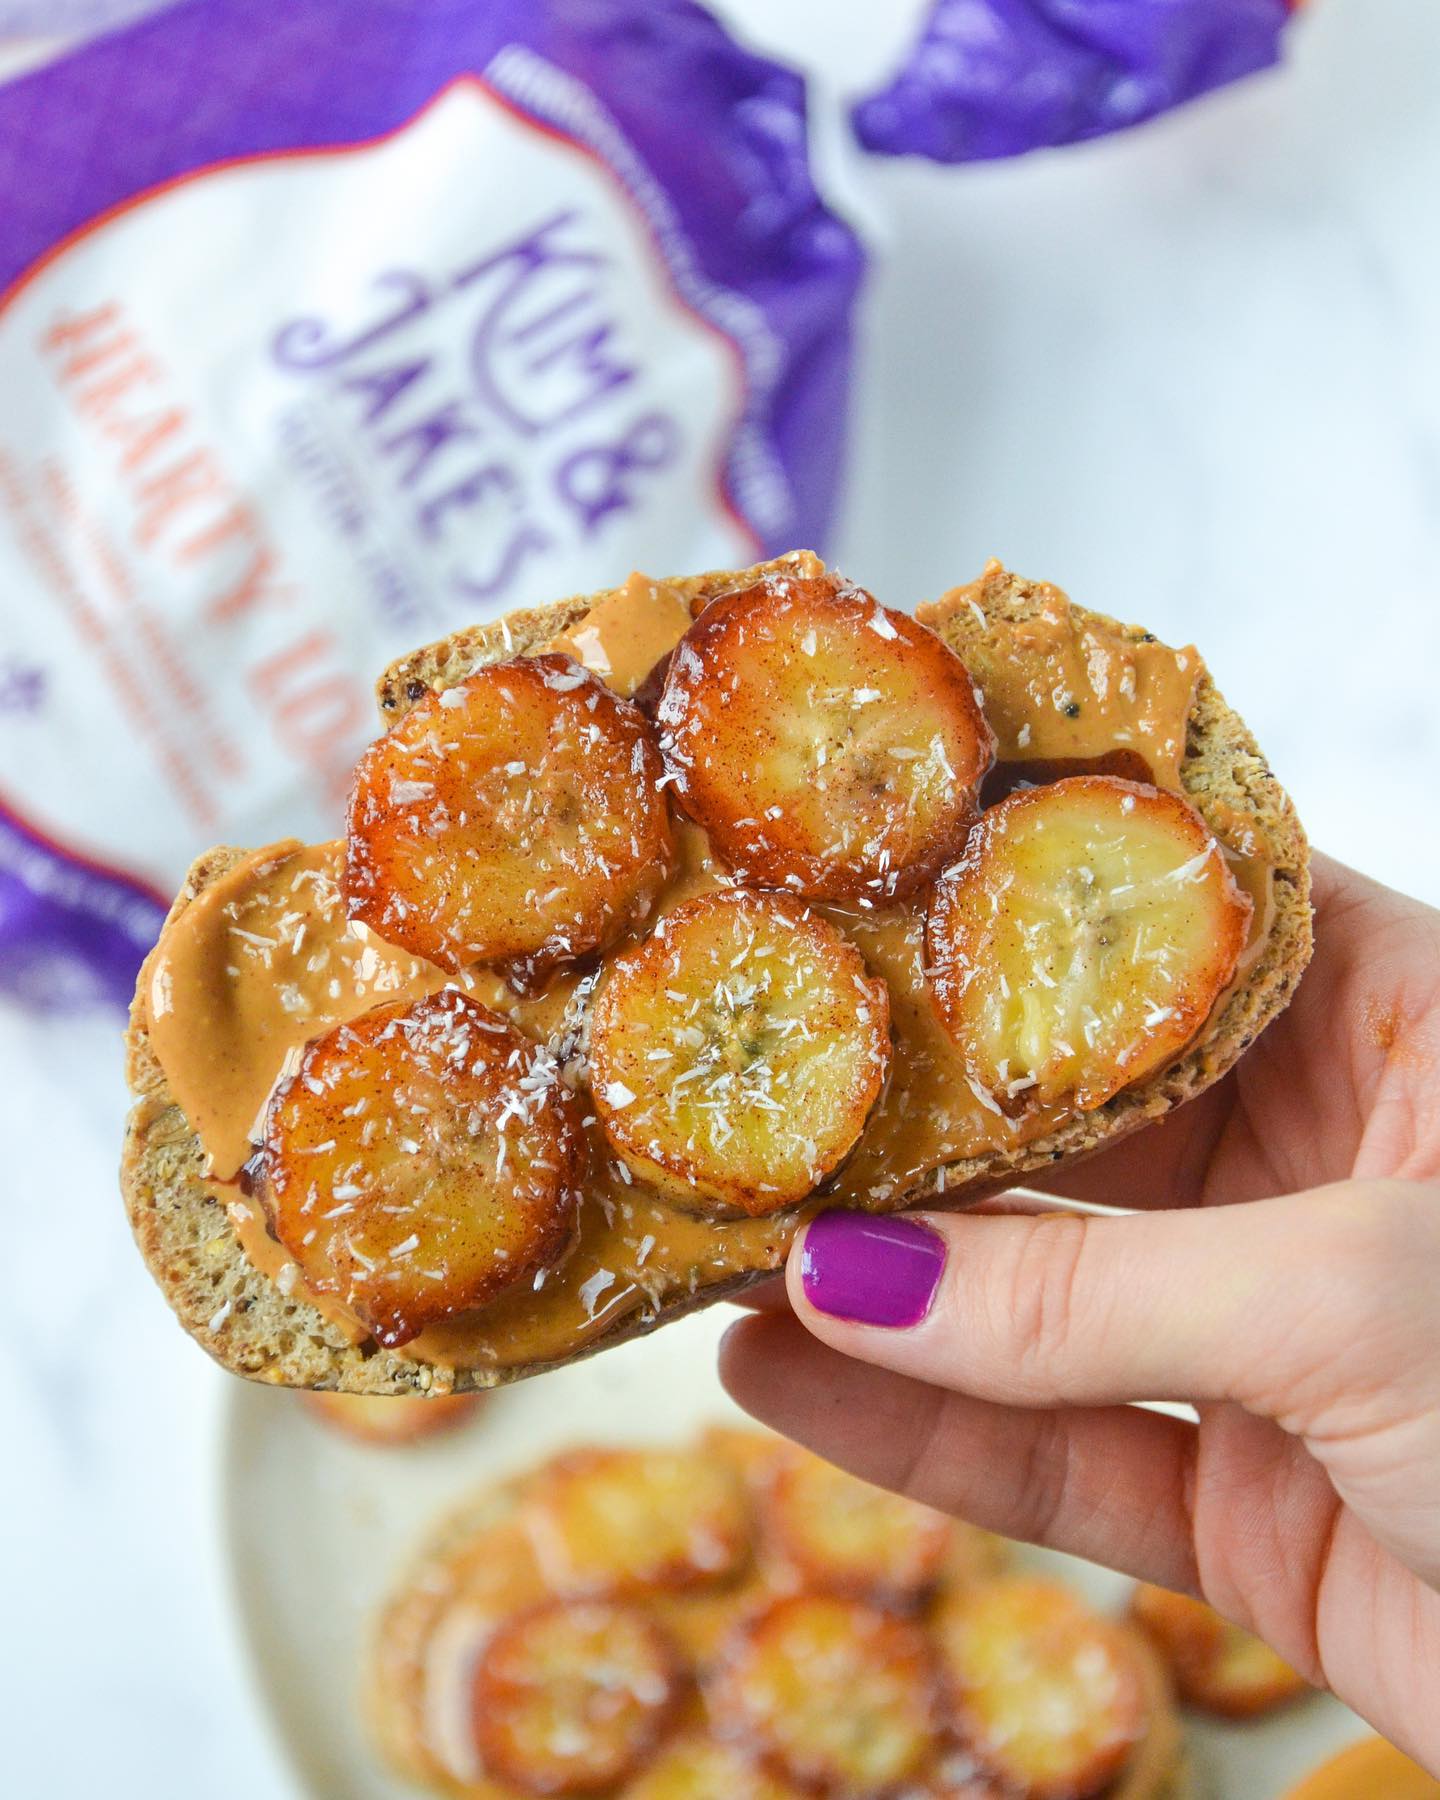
(1194, 375)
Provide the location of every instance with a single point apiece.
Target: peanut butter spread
(1057, 688)
(265, 959)
(617, 638)
(261, 962)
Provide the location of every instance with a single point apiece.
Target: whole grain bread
(252, 1328)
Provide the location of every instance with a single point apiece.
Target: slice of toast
(251, 1327)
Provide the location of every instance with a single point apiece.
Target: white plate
(318, 1527)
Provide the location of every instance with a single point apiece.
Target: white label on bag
(276, 422)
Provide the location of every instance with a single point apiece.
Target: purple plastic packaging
(325, 335)
(70, 19)
(994, 78)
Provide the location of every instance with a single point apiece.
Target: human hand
(979, 1362)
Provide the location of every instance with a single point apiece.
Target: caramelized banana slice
(702, 1620)
(515, 818)
(973, 1556)
(607, 1520)
(1082, 940)
(736, 1053)
(1048, 1694)
(756, 1456)
(699, 1768)
(388, 1419)
(958, 1776)
(847, 1537)
(826, 744)
(1215, 1664)
(837, 1695)
(965, 1787)
(417, 1696)
(573, 1696)
(420, 1159)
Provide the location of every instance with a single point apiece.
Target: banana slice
(757, 1456)
(617, 1520)
(736, 1053)
(699, 1768)
(842, 1535)
(964, 1784)
(837, 1695)
(1215, 1664)
(973, 1556)
(385, 1419)
(702, 1620)
(420, 1159)
(956, 1775)
(573, 1696)
(518, 818)
(826, 744)
(417, 1697)
(1049, 1695)
(1082, 940)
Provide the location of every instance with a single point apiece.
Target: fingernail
(870, 1270)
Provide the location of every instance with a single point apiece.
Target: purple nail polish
(872, 1270)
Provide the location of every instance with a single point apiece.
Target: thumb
(1271, 1304)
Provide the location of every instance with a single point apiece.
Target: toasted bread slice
(251, 1327)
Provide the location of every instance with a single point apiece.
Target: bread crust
(253, 1329)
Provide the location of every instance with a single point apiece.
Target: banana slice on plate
(573, 1696)
(417, 1693)
(736, 1054)
(1082, 940)
(616, 1520)
(961, 1785)
(826, 744)
(973, 1556)
(516, 818)
(1215, 1664)
(836, 1533)
(836, 1695)
(702, 1620)
(419, 1160)
(1049, 1695)
(757, 1456)
(699, 1768)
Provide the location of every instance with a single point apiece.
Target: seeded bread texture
(249, 1326)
